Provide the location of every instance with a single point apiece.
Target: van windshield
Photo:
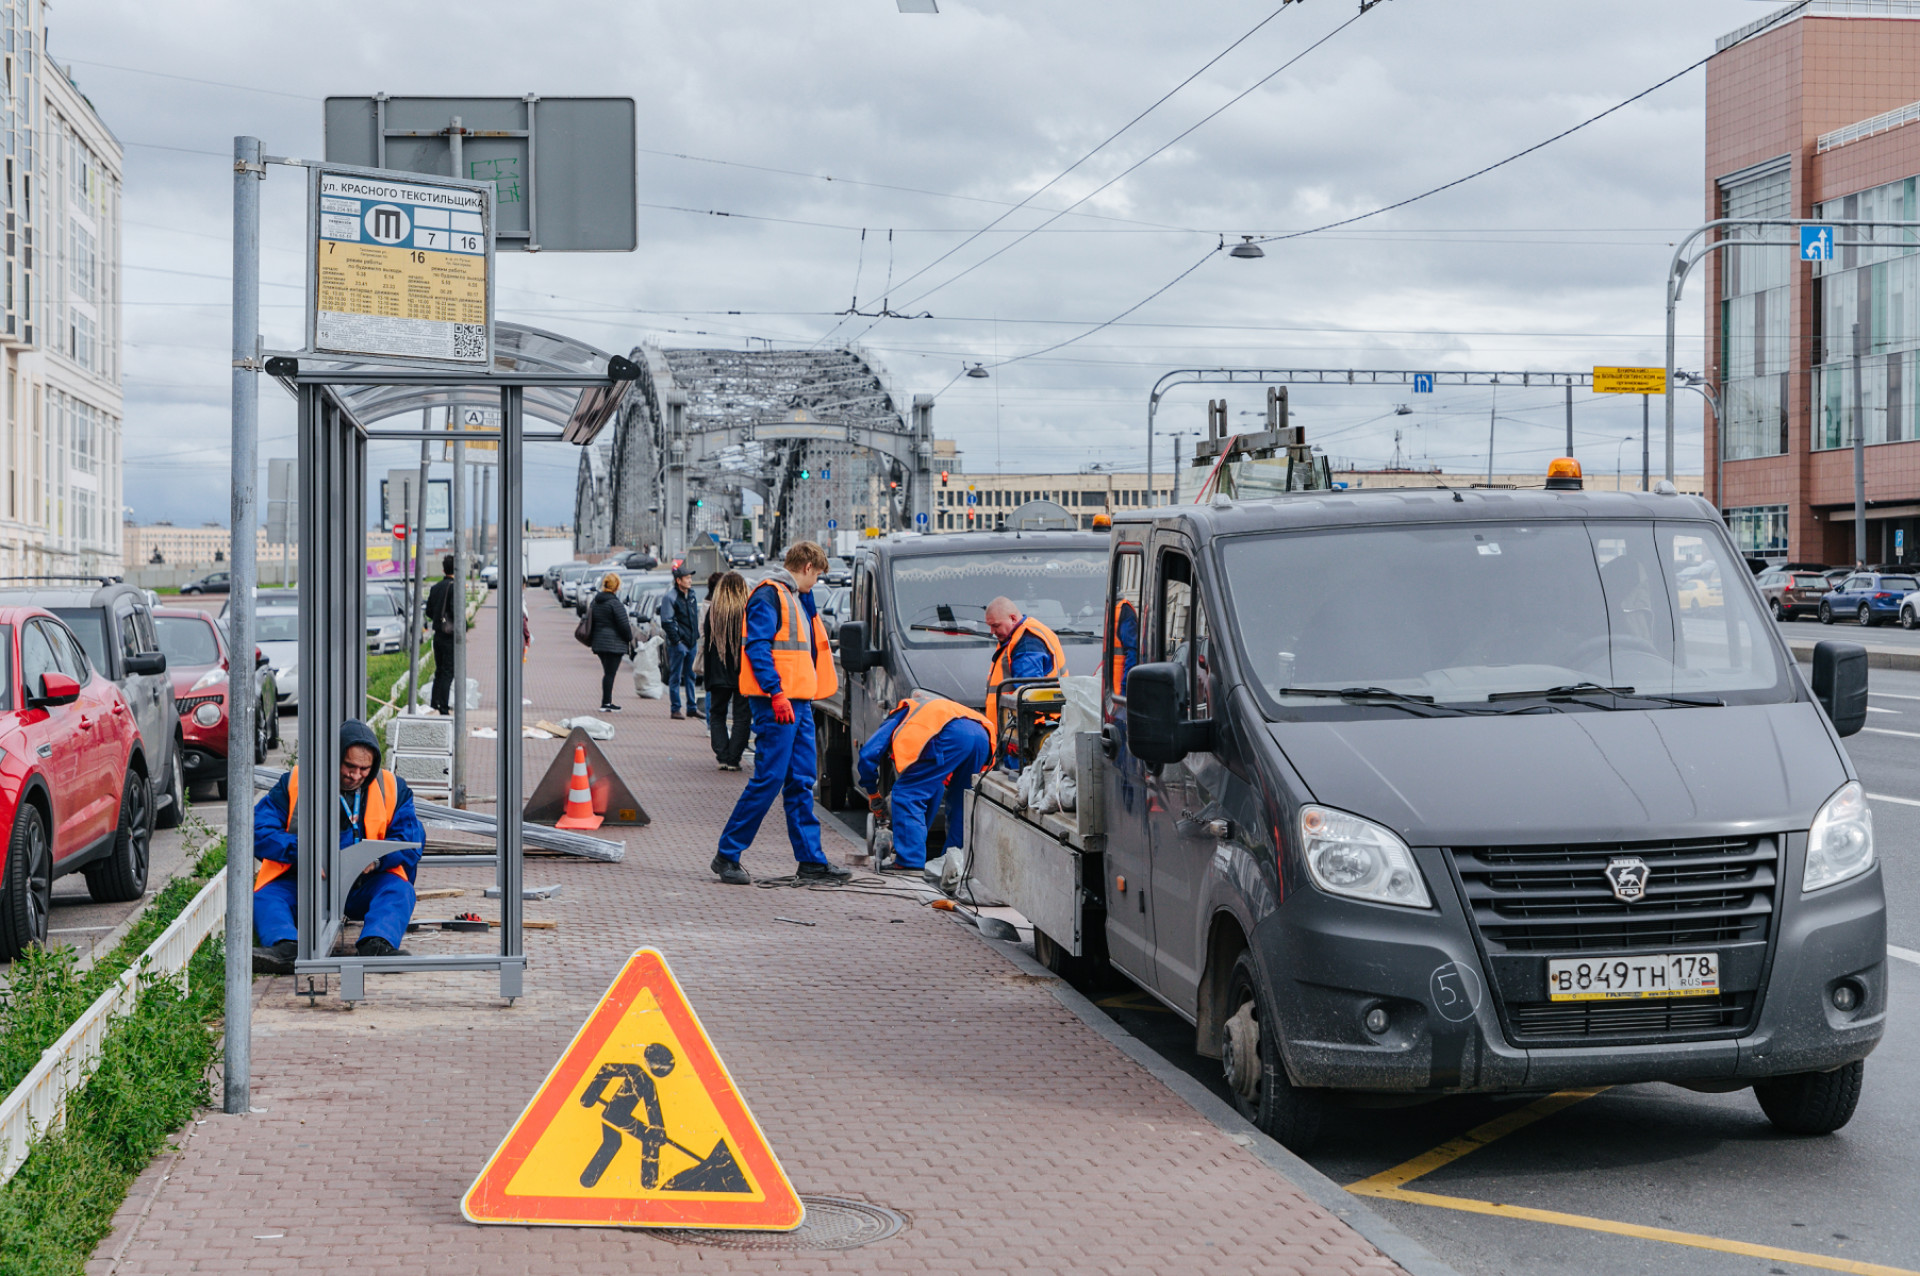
(942, 599)
(1461, 612)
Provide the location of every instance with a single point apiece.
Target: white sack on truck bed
(1050, 783)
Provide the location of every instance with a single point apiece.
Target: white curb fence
(38, 1104)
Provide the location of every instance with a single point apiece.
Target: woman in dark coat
(610, 637)
(721, 637)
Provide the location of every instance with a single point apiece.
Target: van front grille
(1588, 1019)
(1557, 899)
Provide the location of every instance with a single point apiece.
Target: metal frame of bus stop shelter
(335, 400)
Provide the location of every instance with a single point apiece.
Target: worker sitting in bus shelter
(375, 805)
(1028, 649)
(936, 744)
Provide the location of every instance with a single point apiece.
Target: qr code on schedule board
(469, 341)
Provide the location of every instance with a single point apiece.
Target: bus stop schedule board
(401, 270)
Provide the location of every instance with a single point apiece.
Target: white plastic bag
(594, 727)
(647, 682)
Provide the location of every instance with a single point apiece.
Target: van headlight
(1358, 858)
(1840, 843)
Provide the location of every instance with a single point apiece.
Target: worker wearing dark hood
(375, 805)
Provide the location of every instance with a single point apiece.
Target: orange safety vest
(801, 658)
(382, 797)
(1118, 673)
(926, 717)
(1003, 661)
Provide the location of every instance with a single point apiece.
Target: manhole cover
(831, 1223)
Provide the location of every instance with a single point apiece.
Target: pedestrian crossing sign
(638, 1125)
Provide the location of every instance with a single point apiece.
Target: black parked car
(211, 583)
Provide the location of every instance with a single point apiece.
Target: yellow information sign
(1629, 380)
(401, 269)
(638, 1125)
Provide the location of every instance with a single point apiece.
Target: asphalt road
(1708, 1171)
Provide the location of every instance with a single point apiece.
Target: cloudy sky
(930, 128)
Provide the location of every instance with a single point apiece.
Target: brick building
(1817, 118)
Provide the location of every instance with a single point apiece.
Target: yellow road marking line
(1472, 1141)
(1824, 1261)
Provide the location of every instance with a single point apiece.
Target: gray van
(1420, 792)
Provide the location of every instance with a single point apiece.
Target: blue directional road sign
(827, 473)
(1816, 243)
(832, 523)
(1423, 383)
(921, 519)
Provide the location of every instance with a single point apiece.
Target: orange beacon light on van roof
(1563, 475)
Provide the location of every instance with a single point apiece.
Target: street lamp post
(1697, 382)
(1619, 450)
(1683, 264)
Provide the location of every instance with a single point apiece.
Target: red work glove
(782, 709)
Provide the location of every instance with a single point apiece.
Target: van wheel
(1255, 1072)
(172, 813)
(1826, 614)
(26, 894)
(1812, 1102)
(123, 874)
(833, 757)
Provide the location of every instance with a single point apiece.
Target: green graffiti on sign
(504, 173)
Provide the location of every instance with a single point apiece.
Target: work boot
(730, 871)
(275, 959)
(894, 864)
(678, 716)
(375, 946)
(832, 874)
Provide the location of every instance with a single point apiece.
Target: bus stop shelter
(570, 391)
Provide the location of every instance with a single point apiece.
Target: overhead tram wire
(1565, 133)
(1115, 135)
(1106, 142)
(1141, 162)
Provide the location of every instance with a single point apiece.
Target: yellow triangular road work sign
(638, 1125)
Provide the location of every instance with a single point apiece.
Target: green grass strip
(47, 992)
(153, 1075)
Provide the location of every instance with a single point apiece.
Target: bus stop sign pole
(247, 174)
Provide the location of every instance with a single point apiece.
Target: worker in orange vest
(786, 665)
(1028, 649)
(375, 805)
(936, 744)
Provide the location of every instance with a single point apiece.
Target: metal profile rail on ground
(337, 402)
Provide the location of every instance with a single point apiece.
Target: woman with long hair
(610, 636)
(721, 639)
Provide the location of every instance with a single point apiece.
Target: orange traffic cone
(579, 813)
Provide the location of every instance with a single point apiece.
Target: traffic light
(699, 502)
(943, 478)
(806, 474)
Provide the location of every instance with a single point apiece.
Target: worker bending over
(788, 666)
(936, 744)
(1028, 649)
(375, 805)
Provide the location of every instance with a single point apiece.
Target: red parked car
(196, 649)
(74, 789)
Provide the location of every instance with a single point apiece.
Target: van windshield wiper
(1573, 690)
(1423, 705)
(954, 627)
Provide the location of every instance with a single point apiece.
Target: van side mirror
(147, 662)
(1840, 684)
(57, 688)
(854, 655)
(1158, 730)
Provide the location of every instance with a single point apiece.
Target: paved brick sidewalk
(906, 1064)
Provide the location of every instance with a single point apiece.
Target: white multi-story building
(60, 338)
